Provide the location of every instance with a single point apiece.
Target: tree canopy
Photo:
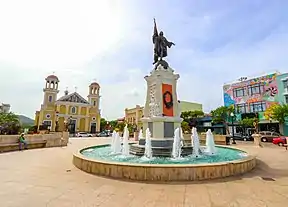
(247, 122)
(188, 115)
(221, 114)
(9, 123)
(185, 126)
(277, 112)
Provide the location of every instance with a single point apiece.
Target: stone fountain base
(156, 142)
(158, 151)
(165, 172)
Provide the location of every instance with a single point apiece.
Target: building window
(73, 110)
(48, 116)
(239, 92)
(256, 89)
(242, 108)
(286, 99)
(285, 84)
(50, 98)
(47, 123)
(207, 124)
(94, 103)
(258, 106)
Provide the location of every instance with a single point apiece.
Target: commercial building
(83, 114)
(190, 106)
(252, 96)
(134, 115)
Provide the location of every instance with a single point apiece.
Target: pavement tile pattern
(47, 177)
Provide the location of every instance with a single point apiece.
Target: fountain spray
(177, 145)
(113, 141)
(148, 146)
(210, 144)
(117, 144)
(126, 149)
(196, 142)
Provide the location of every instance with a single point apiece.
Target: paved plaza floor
(47, 177)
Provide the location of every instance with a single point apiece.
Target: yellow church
(82, 114)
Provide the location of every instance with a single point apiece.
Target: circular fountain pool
(223, 155)
(226, 162)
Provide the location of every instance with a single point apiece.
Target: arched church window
(50, 98)
(73, 110)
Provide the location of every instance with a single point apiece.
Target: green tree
(103, 124)
(247, 122)
(188, 115)
(222, 115)
(9, 123)
(279, 113)
(120, 126)
(113, 123)
(185, 126)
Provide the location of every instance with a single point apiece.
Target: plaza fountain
(148, 147)
(140, 136)
(177, 144)
(125, 147)
(210, 144)
(174, 157)
(112, 145)
(116, 144)
(196, 142)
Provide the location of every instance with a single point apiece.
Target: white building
(4, 108)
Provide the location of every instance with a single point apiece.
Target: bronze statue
(160, 44)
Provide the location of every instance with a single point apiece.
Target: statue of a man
(160, 44)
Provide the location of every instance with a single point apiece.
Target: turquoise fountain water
(209, 153)
(223, 155)
(200, 155)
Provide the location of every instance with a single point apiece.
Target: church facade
(82, 115)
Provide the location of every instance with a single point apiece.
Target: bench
(7, 147)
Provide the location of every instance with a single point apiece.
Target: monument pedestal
(161, 127)
(161, 111)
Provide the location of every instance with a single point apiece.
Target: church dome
(95, 84)
(52, 77)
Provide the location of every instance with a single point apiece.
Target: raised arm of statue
(155, 33)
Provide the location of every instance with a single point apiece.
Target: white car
(83, 134)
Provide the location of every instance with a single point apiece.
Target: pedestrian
(22, 141)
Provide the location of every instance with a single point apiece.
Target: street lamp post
(232, 120)
(270, 121)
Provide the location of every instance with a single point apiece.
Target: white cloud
(110, 41)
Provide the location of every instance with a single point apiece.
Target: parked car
(83, 134)
(103, 134)
(280, 141)
(267, 136)
(239, 136)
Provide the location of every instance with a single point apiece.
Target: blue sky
(110, 41)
